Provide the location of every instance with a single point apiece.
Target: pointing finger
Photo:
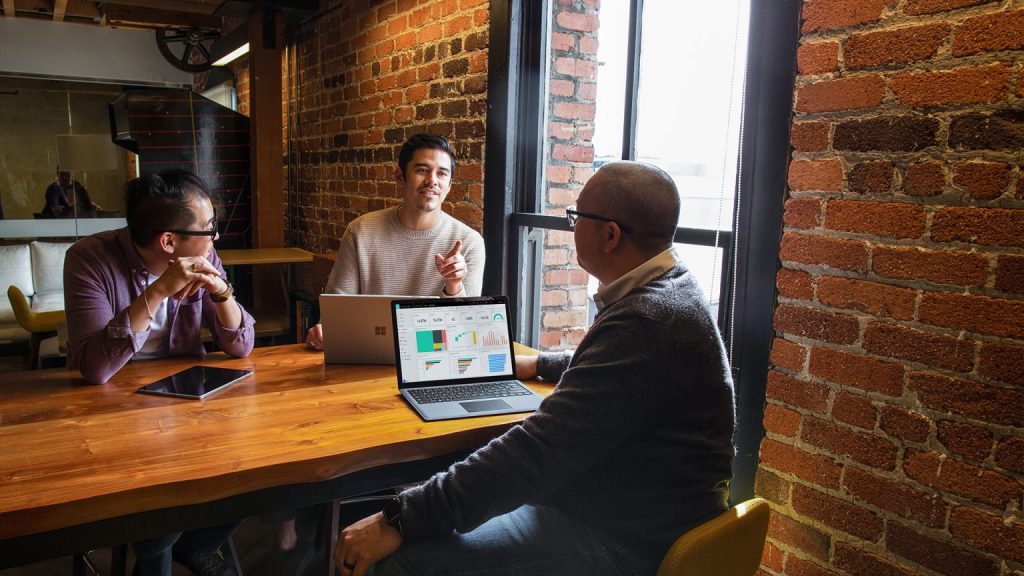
(455, 249)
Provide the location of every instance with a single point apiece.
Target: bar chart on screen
(497, 363)
(495, 337)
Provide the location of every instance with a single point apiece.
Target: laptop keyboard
(480, 391)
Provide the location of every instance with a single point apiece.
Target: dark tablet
(195, 382)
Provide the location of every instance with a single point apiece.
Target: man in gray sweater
(632, 449)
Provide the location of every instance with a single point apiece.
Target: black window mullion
(636, 24)
(513, 178)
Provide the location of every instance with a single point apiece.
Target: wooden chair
(41, 325)
(730, 544)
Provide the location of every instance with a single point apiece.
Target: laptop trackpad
(484, 405)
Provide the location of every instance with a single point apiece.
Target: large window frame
(513, 225)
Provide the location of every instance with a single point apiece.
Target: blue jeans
(529, 541)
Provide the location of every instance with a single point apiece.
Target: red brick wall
(895, 414)
(572, 86)
(368, 75)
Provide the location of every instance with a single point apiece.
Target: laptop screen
(452, 341)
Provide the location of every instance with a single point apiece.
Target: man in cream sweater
(414, 249)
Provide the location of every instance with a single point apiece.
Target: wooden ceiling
(122, 13)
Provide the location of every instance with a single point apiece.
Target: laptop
(455, 358)
(357, 328)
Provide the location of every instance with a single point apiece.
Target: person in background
(143, 292)
(67, 198)
(415, 248)
(632, 448)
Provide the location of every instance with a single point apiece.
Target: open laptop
(455, 358)
(357, 328)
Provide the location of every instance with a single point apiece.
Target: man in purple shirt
(144, 292)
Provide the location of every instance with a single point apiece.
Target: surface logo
(380, 331)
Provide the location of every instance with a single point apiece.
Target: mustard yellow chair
(727, 545)
(41, 325)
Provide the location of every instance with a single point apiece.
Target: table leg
(328, 535)
(118, 560)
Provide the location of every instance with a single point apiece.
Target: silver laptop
(455, 358)
(357, 328)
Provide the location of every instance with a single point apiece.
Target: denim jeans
(529, 541)
(153, 556)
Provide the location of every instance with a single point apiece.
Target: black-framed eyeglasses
(211, 233)
(572, 215)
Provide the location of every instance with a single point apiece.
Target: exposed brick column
(895, 414)
(570, 157)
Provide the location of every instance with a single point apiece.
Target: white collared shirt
(608, 294)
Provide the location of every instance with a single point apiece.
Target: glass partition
(60, 173)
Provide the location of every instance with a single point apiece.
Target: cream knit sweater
(378, 255)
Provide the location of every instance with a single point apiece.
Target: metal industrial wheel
(186, 48)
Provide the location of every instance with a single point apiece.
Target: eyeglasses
(573, 215)
(211, 233)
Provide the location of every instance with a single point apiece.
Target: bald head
(641, 196)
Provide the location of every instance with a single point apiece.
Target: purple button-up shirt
(103, 275)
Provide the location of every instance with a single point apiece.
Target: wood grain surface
(232, 257)
(71, 453)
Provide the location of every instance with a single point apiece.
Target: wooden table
(84, 467)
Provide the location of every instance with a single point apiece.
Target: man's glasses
(573, 215)
(211, 233)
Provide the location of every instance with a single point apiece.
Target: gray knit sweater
(378, 255)
(635, 440)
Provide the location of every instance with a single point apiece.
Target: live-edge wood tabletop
(72, 453)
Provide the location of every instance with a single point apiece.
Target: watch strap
(224, 294)
(393, 513)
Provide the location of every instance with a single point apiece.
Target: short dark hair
(646, 198)
(158, 202)
(424, 140)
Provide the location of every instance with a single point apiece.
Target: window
(618, 90)
(552, 97)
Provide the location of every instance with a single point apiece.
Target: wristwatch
(224, 294)
(393, 514)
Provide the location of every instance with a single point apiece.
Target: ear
(399, 175)
(165, 242)
(613, 237)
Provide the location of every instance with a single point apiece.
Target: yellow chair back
(29, 319)
(727, 545)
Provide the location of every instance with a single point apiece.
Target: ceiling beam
(59, 8)
(9, 8)
(118, 15)
(190, 6)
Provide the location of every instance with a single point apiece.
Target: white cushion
(12, 332)
(48, 266)
(16, 269)
(6, 314)
(46, 301)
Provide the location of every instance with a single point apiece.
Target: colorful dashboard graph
(467, 337)
(492, 338)
(496, 363)
(428, 364)
(464, 364)
(431, 341)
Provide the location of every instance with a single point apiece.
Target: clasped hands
(185, 276)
